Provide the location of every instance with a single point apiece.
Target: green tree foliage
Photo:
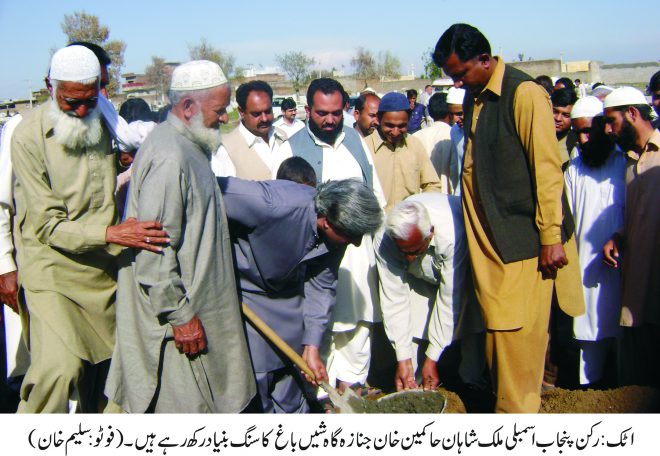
(388, 65)
(365, 65)
(297, 66)
(81, 26)
(159, 75)
(206, 51)
(431, 70)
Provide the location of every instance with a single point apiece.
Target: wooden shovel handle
(277, 340)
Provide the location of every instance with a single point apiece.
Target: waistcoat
(505, 186)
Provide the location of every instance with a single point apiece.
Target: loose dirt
(627, 399)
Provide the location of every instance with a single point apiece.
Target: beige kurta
(64, 204)
(641, 234)
(505, 291)
(403, 170)
(514, 298)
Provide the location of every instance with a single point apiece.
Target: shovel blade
(341, 401)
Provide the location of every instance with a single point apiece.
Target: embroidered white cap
(587, 107)
(455, 96)
(625, 96)
(74, 63)
(197, 75)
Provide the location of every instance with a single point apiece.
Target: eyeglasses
(75, 103)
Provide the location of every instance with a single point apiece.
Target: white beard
(208, 139)
(74, 132)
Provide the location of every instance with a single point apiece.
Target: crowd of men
(508, 219)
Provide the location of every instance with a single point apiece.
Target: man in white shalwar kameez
(336, 152)
(595, 188)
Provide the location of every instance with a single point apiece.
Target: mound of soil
(403, 402)
(627, 399)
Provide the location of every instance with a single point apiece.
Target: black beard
(595, 153)
(328, 137)
(626, 139)
(599, 147)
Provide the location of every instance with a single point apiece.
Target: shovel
(340, 402)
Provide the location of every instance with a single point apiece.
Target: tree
(206, 51)
(297, 67)
(365, 65)
(388, 66)
(521, 56)
(159, 75)
(431, 70)
(81, 26)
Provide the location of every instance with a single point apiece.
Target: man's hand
(9, 290)
(551, 259)
(611, 251)
(313, 359)
(404, 378)
(190, 337)
(142, 235)
(430, 378)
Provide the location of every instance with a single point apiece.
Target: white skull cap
(587, 107)
(197, 75)
(625, 96)
(455, 96)
(73, 64)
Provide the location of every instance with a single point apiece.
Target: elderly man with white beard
(181, 345)
(67, 242)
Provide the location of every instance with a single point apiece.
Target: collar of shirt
(379, 142)
(495, 82)
(652, 145)
(251, 139)
(336, 145)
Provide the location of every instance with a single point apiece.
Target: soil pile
(627, 399)
(402, 402)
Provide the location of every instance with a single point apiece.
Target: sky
(256, 31)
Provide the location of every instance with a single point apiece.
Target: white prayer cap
(74, 63)
(197, 75)
(587, 107)
(602, 91)
(625, 96)
(455, 96)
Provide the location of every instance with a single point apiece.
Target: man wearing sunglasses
(68, 238)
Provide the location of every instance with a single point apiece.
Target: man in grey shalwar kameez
(289, 240)
(180, 340)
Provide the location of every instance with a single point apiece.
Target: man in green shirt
(68, 241)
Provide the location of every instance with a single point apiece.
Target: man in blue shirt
(417, 112)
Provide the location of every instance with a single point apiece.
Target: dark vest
(504, 182)
(302, 145)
